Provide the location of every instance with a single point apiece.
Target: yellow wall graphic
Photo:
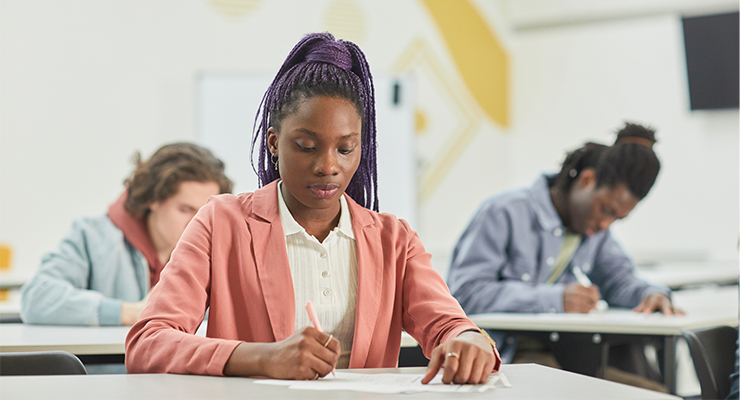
(419, 57)
(477, 53)
(345, 20)
(235, 9)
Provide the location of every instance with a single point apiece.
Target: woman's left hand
(468, 358)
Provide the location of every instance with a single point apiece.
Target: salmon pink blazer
(232, 258)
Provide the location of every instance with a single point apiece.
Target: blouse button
(326, 292)
(557, 232)
(550, 261)
(526, 277)
(323, 254)
(326, 274)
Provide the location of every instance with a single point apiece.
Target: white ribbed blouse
(325, 273)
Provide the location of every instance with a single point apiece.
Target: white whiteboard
(226, 105)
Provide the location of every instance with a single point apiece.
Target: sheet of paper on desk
(388, 383)
(613, 314)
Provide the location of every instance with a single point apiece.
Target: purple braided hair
(319, 65)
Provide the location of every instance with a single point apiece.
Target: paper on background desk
(612, 314)
(388, 383)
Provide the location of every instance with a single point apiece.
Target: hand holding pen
(300, 356)
(581, 297)
(306, 354)
(315, 321)
(583, 280)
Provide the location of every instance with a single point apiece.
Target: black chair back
(41, 363)
(713, 351)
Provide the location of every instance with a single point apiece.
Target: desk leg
(669, 363)
(604, 360)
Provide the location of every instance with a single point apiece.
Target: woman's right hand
(301, 356)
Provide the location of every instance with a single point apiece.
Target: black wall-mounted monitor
(711, 43)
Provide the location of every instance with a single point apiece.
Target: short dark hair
(630, 161)
(159, 177)
(319, 65)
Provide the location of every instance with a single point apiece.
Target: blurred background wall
(503, 88)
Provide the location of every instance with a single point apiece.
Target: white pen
(583, 280)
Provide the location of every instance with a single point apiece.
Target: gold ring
(316, 377)
(328, 340)
(451, 354)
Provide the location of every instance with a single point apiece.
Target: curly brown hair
(158, 178)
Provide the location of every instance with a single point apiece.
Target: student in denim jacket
(506, 258)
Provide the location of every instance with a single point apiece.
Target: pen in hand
(315, 320)
(583, 280)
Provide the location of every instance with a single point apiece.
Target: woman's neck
(319, 228)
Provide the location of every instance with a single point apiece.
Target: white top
(325, 273)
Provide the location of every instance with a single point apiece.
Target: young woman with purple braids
(312, 232)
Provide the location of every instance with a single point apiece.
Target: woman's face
(318, 150)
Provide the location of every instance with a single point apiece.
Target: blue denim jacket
(504, 257)
(87, 278)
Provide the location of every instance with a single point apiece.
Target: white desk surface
(81, 339)
(13, 279)
(529, 381)
(681, 274)
(74, 339)
(704, 307)
(13, 303)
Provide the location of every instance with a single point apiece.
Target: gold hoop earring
(274, 161)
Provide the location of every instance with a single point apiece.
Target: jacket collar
(544, 211)
(271, 260)
(369, 280)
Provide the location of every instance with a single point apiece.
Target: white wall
(85, 83)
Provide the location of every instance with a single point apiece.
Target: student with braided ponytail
(523, 249)
(310, 233)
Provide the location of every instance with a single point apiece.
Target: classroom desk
(74, 339)
(689, 274)
(81, 339)
(10, 304)
(529, 381)
(94, 345)
(704, 307)
(10, 307)
(13, 279)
